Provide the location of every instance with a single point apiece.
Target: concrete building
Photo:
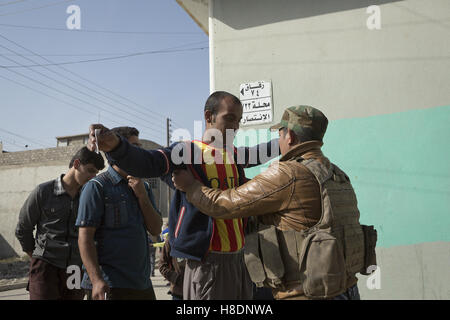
(381, 75)
(21, 172)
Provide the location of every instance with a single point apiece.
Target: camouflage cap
(304, 121)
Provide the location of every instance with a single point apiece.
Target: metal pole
(168, 144)
(168, 131)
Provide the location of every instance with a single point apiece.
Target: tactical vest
(322, 257)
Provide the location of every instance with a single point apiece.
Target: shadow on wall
(6, 251)
(264, 12)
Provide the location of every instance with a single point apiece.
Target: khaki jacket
(286, 195)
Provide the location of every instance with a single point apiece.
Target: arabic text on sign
(254, 90)
(252, 118)
(257, 105)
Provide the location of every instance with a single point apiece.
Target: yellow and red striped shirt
(228, 234)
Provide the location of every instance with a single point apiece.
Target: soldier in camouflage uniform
(287, 196)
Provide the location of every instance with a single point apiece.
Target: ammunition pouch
(276, 259)
(316, 259)
(323, 266)
(321, 259)
(272, 256)
(262, 246)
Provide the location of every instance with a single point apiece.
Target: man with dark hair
(115, 212)
(128, 133)
(52, 207)
(212, 247)
(85, 156)
(212, 104)
(308, 242)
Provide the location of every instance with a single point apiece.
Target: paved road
(159, 284)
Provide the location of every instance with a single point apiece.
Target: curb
(13, 286)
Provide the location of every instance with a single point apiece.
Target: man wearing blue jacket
(213, 248)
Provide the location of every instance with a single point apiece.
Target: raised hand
(106, 140)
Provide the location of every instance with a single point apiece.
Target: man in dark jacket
(52, 207)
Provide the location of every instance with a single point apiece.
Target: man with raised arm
(212, 247)
(116, 211)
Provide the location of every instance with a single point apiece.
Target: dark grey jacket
(53, 212)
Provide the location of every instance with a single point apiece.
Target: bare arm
(88, 253)
(152, 220)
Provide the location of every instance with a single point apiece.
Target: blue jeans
(352, 293)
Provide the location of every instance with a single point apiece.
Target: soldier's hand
(106, 139)
(182, 179)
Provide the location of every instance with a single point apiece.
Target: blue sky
(173, 84)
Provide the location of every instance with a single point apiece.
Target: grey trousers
(220, 276)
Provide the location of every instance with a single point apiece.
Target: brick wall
(60, 154)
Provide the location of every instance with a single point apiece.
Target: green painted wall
(399, 165)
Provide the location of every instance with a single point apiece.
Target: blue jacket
(194, 228)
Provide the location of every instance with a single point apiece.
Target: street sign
(256, 98)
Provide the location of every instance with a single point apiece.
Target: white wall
(321, 53)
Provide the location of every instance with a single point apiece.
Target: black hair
(126, 132)
(213, 102)
(87, 156)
